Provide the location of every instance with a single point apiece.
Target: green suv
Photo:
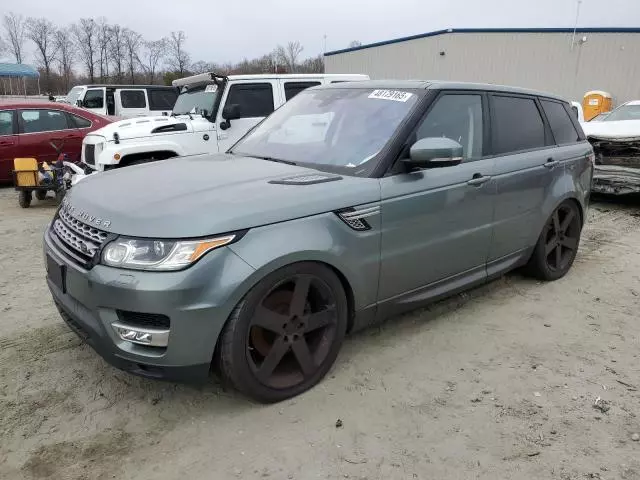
(351, 203)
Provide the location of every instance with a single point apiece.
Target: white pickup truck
(211, 114)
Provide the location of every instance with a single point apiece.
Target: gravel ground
(517, 379)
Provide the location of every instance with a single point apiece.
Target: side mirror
(79, 103)
(230, 112)
(434, 152)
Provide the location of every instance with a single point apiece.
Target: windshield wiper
(271, 159)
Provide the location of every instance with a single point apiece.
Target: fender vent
(356, 217)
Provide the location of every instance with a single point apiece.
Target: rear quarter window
(561, 125)
(133, 99)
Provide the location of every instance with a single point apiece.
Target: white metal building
(552, 59)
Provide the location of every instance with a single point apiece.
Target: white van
(211, 114)
(124, 101)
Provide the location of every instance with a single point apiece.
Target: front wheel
(283, 337)
(24, 198)
(41, 194)
(558, 243)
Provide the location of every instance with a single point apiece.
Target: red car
(27, 128)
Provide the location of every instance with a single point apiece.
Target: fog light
(142, 336)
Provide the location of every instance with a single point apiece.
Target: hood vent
(174, 127)
(309, 179)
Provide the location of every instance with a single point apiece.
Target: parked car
(349, 204)
(210, 115)
(616, 141)
(124, 101)
(28, 128)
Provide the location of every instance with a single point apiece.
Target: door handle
(478, 179)
(7, 142)
(551, 163)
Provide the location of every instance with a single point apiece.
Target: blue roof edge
(486, 30)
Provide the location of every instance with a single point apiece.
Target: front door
(131, 103)
(94, 101)
(255, 101)
(9, 148)
(437, 223)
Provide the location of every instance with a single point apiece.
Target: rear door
(290, 88)
(255, 100)
(526, 168)
(131, 103)
(9, 147)
(39, 128)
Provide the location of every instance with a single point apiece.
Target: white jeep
(212, 113)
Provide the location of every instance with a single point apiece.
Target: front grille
(146, 320)
(90, 154)
(79, 241)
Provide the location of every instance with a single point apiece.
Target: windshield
(334, 127)
(198, 100)
(73, 95)
(625, 112)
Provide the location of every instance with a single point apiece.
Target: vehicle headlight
(145, 254)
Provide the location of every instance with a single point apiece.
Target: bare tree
(66, 53)
(42, 32)
(132, 44)
(202, 67)
(313, 65)
(177, 58)
(288, 55)
(117, 49)
(103, 37)
(4, 48)
(152, 53)
(85, 34)
(16, 34)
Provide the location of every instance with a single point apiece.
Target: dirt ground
(515, 380)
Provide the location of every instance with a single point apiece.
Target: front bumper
(197, 301)
(615, 180)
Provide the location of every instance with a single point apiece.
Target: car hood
(144, 127)
(211, 194)
(623, 130)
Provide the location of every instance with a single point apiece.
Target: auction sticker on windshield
(394, 95)
(211, 88)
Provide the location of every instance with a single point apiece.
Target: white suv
(211, 114)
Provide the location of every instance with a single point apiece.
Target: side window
(458, 117)
(291, 89)
(133, 99)
(162, 99)
(517, 125)
(254, 99)
(6, 122)
(80, 122)
(560, 122)
(35, 121)
(94, 99)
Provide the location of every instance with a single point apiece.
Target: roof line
(487, 30)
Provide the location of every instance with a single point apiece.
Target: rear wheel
(558, 243)
(283, 337)
(41, 194)
(24, 198)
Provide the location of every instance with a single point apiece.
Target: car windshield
(197, 100)
(73, 95)
(625, 112)
(344, 128)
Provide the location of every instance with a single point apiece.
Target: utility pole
(575, 25)
(325, 43)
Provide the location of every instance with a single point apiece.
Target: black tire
(24, 198)
(558, 243)
(313, 336)
(41, 194)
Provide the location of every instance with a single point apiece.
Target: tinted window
(560, 122)
(133, 99)
(162, 99)
(93, 99)
(458, 117)
(254, 99)
(517, 125)
(6, 123)
(291, 89)
(80, 122)
(34, 121)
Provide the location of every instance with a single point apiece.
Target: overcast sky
(231, 30)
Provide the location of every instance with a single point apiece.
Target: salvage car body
(616, 142)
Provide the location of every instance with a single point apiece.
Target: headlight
(159, 254)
